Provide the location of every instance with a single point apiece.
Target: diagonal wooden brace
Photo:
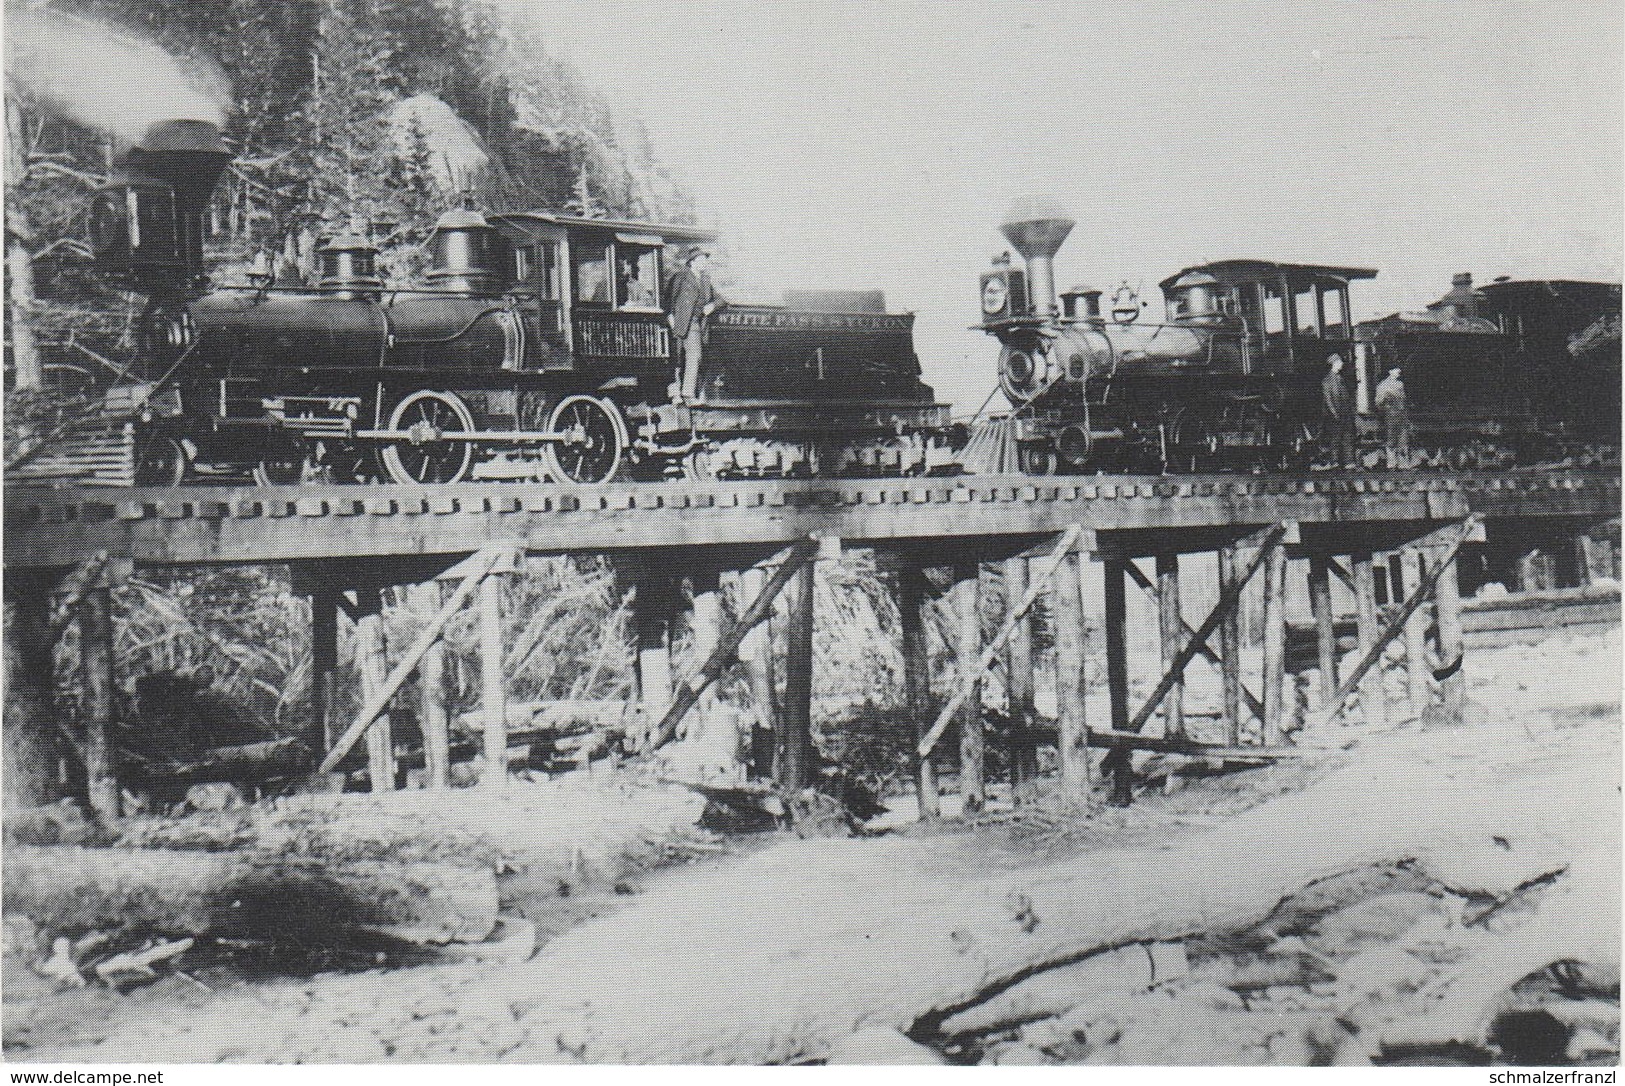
(1452, 539)
(689, 691)
(1203, 648)
(477, 568)
(1227, 599)
(967, 681)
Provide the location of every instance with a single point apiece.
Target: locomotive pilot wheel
(593, 440)
(426, 457)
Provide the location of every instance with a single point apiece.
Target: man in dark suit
(1337, 400)
(690, 300)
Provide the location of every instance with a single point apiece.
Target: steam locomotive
(536, 348)
(1232, 379)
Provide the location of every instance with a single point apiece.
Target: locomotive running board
(512, 437)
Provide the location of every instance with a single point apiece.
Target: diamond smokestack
(1036, 228)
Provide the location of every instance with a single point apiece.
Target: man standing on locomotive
(1338, 403)
(691, 299)
(1396, 418)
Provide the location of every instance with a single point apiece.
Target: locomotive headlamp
(995, 294)
(1019, 366)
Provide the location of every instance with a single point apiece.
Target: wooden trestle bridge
(1403, 532)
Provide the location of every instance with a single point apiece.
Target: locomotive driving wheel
(425, 457)
(593, 440)
(158, 461)
(284, 463)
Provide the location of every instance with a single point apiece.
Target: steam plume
(89, 73)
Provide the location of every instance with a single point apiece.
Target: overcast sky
(878, 144)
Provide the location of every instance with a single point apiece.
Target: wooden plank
(96, 662)
(1230, 649)
(372, 667)
(1447, 612)
(1373, 696)
(493, 684)
(1018, 670)
(794, 768)
(1172, 627)
(432, 715)
(1416, 665)
(1072, 723)
(1115, 628)
(911, 604)
(1274, 644)
(965, 599)
(1320, 603)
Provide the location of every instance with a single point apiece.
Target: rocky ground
(1438, 891)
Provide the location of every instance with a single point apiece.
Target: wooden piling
(373, 667)
(1373, 693)
(756, 657)
(1447, 613)
(1230, 650)
(96, 656)
(1018, 671)
(1172, 627)
(35, 744)
(911, 603)
(493, 687)
(1072, 737)
(324, 662)
(1320, 603)
(705, 631)
(1274, 644)
(793, 769)
(1119, 760)
(653, 604)
(966, 601)
(1416, 664)
(432, 714)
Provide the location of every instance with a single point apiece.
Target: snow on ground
(778, 955)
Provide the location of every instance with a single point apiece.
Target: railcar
(536, 347)
(1232, 378)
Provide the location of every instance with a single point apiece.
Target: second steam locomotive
(536, 348)
(1243, 374)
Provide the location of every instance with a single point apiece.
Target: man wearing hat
(690, 299)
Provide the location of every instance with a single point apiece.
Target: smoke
(90, 73)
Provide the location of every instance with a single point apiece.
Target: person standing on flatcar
(691, 299)
(1337, 400)
(1396, 418)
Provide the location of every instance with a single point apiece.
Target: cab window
(637, 276)
(1274, 309)
(1303, 304)
(591, 273)
(538, 266)
(1334, 311)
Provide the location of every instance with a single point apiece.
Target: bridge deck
(53, 528)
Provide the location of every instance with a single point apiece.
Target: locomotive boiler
(536, 347)
(1232, 378)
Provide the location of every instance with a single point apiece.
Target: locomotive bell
(349, 265)
(1037, 228)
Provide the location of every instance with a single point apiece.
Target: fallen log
(178, 892)
(263, 761)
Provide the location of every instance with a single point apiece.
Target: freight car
(536, 348)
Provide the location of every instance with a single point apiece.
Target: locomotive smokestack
(1036, 228)
(148, 221)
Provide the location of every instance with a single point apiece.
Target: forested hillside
(344, 114)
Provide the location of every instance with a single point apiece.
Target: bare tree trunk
(19, 265)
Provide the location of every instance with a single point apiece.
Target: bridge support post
(1320, 602)
(966, 601)
(911, 604)
(1373, 690)
(1416, 664)
(793, 767)
(1018, 670)
(432, 694)
(756, 656)
(1274, 644)
(373, 667)
(324, 663)
(96, 652)
(1230, 650)
(32, 744)
(1447, 614)
(1115, 627)
(493, 684)
(1072, 722)
(653, 605)
(1172, 627)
